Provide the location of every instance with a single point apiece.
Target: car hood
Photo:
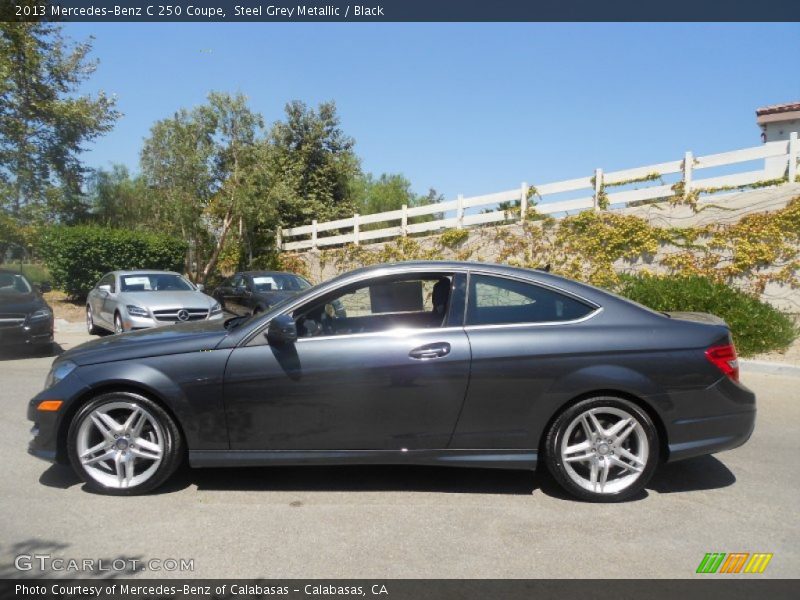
(165, 300)
(20, 303)
(160, 341)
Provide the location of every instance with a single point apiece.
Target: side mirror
(45, 287)
(104, 288)
(282, 330)
(200, 287)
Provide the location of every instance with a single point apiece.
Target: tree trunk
(212, 262)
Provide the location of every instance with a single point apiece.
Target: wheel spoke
(624, 435)
(575, 448)
(617, 427)
(119, 466)
(147, 449)
(129, 460)
(579, 458)
(102, 427)
(100, 458)
(623, 452)
(597, 426)
(604, 474)
(593, 474)
(134, 422)
(624, 465)
(590, 434)
(94, 449)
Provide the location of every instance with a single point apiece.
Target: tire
(119, 326)
(113, 464)
(90, 326)
(613, 460)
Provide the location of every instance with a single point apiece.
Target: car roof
(148, 271)
(252, 273)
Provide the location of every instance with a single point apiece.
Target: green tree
(389, 192)
(313, 163)
(116, 199)
(44, 121)
(200, 165)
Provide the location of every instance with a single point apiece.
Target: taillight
(725, 359)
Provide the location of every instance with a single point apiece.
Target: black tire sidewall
(173, 444)
(555, 433)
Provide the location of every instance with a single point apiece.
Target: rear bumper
(721, 417)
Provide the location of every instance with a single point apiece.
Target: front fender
(188, 385)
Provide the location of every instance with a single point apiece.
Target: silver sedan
(127, 300)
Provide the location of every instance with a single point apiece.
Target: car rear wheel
(603, 449)
(90, 326)
(123, 444)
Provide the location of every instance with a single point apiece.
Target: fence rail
(780, 161)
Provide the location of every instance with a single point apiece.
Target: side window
(381, 305)
(238, 281)
(107, 280)
(500, 301)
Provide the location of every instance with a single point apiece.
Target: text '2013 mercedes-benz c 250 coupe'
(434, 363)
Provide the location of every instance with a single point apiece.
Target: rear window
(500, 301)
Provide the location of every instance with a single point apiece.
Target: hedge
(78, 256)
(756, 326)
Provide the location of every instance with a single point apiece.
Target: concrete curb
(763, 366)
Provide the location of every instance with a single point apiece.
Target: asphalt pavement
(399, 522)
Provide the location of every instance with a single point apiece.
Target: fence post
(355, 229)
(523, 201)
(598, 187)
(314, 234)
(279, 238)
(688, 165)
(460, 212)
(404, 221)
(794, 149)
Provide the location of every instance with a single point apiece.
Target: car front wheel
(603, 449)
(90, 326)
(118, 326)
(123, 444)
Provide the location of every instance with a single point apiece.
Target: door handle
(436, 350)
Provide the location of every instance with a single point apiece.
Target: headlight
(216, 309)
(58, 372)
(137, 311)
(41, 315)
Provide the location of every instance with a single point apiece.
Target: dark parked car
(437, 363)
(253, 292)
(25, 317)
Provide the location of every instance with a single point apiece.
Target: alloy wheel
(604, 450)
(118, 327)
(120, 444)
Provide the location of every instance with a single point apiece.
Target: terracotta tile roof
(777, 108)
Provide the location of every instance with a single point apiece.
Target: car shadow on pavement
(22, 352)
(697, 474)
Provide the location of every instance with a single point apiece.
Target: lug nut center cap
(603, 449)
(121, 444)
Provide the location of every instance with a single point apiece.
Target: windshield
(12, 284)
(154, 282)
(270, 282)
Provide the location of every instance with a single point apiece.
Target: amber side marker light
(50, 405)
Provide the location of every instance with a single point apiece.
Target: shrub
(78, 256)
(756, 326)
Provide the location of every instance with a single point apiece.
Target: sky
(463, 108)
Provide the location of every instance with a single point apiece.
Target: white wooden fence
(778, 155)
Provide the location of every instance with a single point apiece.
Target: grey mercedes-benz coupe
(437, 363)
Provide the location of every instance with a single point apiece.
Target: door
(234, 295)
(384, 371)
(102, 301)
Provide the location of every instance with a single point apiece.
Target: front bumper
(46, 425)
(28, 334)
(133, 323)
(721, 417)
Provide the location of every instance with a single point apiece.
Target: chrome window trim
(387, 333)
(326, 290)
(586, 317)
